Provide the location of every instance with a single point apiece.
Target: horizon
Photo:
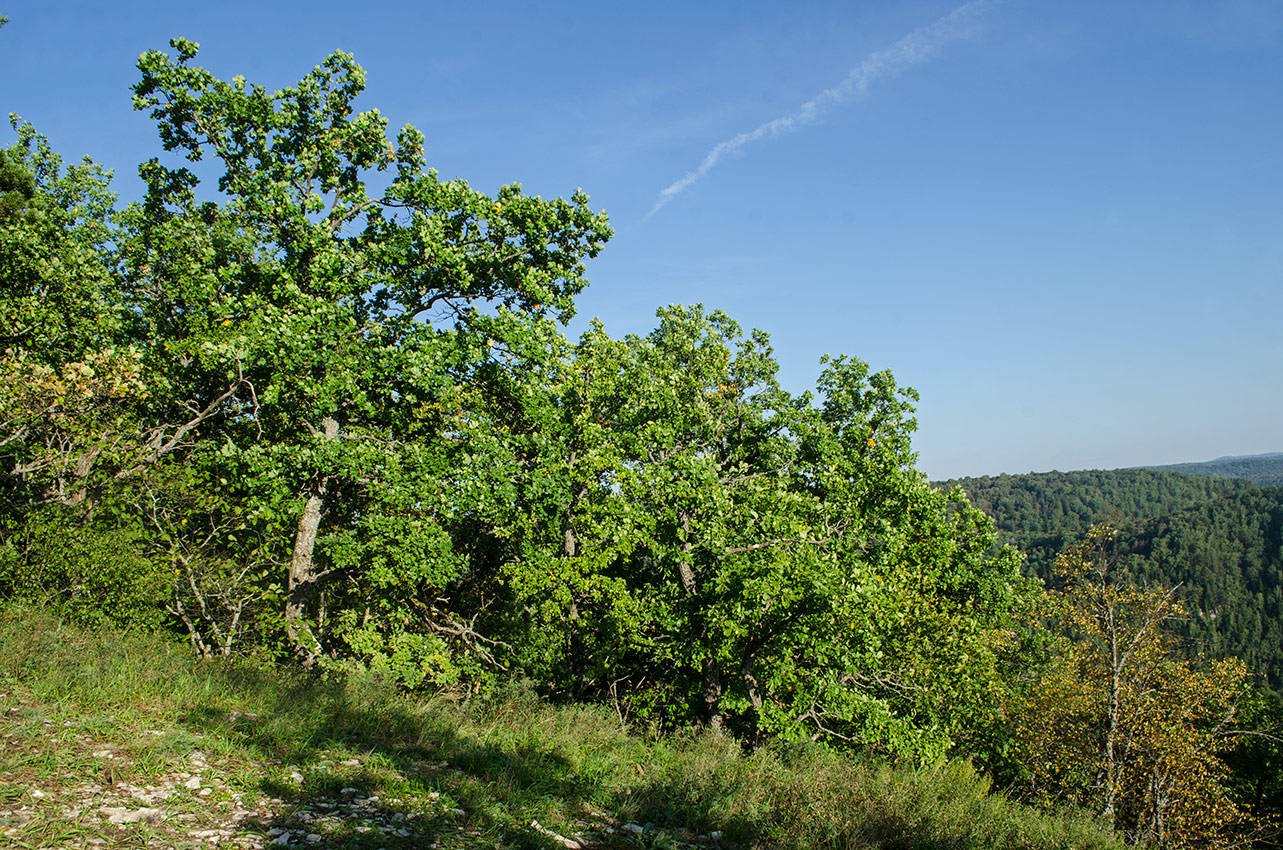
(1059, 222)
(1222, 459)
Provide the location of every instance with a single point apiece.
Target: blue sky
(1061, 221)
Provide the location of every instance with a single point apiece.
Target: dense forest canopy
(301, 418)
(1043, 512)
(1219, 539)
(1261, 469)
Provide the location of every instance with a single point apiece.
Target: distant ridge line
(1265, 469)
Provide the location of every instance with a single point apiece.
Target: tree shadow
(416, 780)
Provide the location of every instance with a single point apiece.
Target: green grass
(98, 719)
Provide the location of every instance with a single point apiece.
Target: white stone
(122, 814)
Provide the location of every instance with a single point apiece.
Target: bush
(93, 572)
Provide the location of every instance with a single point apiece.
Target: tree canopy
(341, 422)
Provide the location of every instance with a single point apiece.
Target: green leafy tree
(911, 652)
(701, 546)
(70, 378)
(73, 394)
(341, 333)
(323, 361)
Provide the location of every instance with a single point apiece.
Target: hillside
(116, 741)
(1221, 539)
(1042, 512)
(1264, 469)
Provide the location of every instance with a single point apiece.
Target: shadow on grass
(358, 765)
(419, 781)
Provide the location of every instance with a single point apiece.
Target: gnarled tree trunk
(305, 578)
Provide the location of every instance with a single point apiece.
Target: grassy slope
(98, 723)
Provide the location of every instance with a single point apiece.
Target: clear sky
(1060, 220)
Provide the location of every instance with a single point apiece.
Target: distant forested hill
(1220, 538)
(1042, 512)
(1261, 469)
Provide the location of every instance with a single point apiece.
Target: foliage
(314, 355)
(1255, 759)
(95, 571)
(342, 423)
(1121, 723)
(1264, 469)
(697, 545)
(343, 330)
(1219, 540)
(68, 376)
(1044, 513)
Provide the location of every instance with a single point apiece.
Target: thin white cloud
(915, 48)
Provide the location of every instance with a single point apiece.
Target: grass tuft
(94, 719)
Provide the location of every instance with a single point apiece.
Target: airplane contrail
(914, 49)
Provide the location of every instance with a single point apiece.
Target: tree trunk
(751, 685)
(1112, 769)
(709, 668)
(304, 577)
(569, 551)
(712, 693)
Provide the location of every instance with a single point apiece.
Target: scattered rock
(122, 815)
(560, 839)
